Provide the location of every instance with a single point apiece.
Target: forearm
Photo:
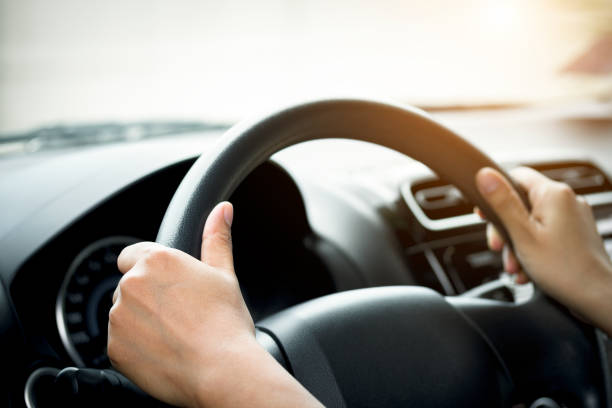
(254, 379)
(596, 302)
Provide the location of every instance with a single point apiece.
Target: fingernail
(228, 214)
(488, 182)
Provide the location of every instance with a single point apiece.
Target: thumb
(505, 201)
(217, 237)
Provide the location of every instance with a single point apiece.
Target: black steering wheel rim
(313, 329)
(215, 175)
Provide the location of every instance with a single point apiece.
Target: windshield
(74, 61)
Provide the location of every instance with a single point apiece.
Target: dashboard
(318, 218)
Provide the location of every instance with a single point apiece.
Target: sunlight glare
(502, 15)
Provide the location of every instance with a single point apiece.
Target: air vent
(583, 177)
(439, 200)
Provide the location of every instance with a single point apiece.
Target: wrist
(250, 376)
(218, 378)
(597, 300)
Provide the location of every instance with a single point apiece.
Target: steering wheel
(399, 346)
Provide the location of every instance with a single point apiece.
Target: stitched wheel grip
(218, 172)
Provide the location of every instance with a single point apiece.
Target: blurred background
(67, 61)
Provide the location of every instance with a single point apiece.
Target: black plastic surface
(548, 353)
(270, 218)
(390, 347)
(12, 346)
(87, 387)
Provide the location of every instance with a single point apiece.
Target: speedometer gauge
(85, 298)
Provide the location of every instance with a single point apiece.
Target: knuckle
(112, 351)
(112, 345)
(125, 250)
(564, 191)
(113, 315)
(118, 312)
(583, 202)
(158, 256)
(131, 283)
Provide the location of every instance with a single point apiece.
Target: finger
(531, 181)
(511, 264)
(495, 242)
(522, 278)
(131, 254)
(528, 178)
(217, 237)
(505, 201)
(537, 185)
(116, 294)
(494, 239)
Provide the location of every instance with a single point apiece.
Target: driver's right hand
(556, 245)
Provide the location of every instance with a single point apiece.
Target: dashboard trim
(439, 272)
(460, 221)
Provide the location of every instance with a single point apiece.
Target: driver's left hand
(179, 327)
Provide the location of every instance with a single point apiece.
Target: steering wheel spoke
(388, 347)
(547, 350)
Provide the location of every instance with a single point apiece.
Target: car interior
(355, 241)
